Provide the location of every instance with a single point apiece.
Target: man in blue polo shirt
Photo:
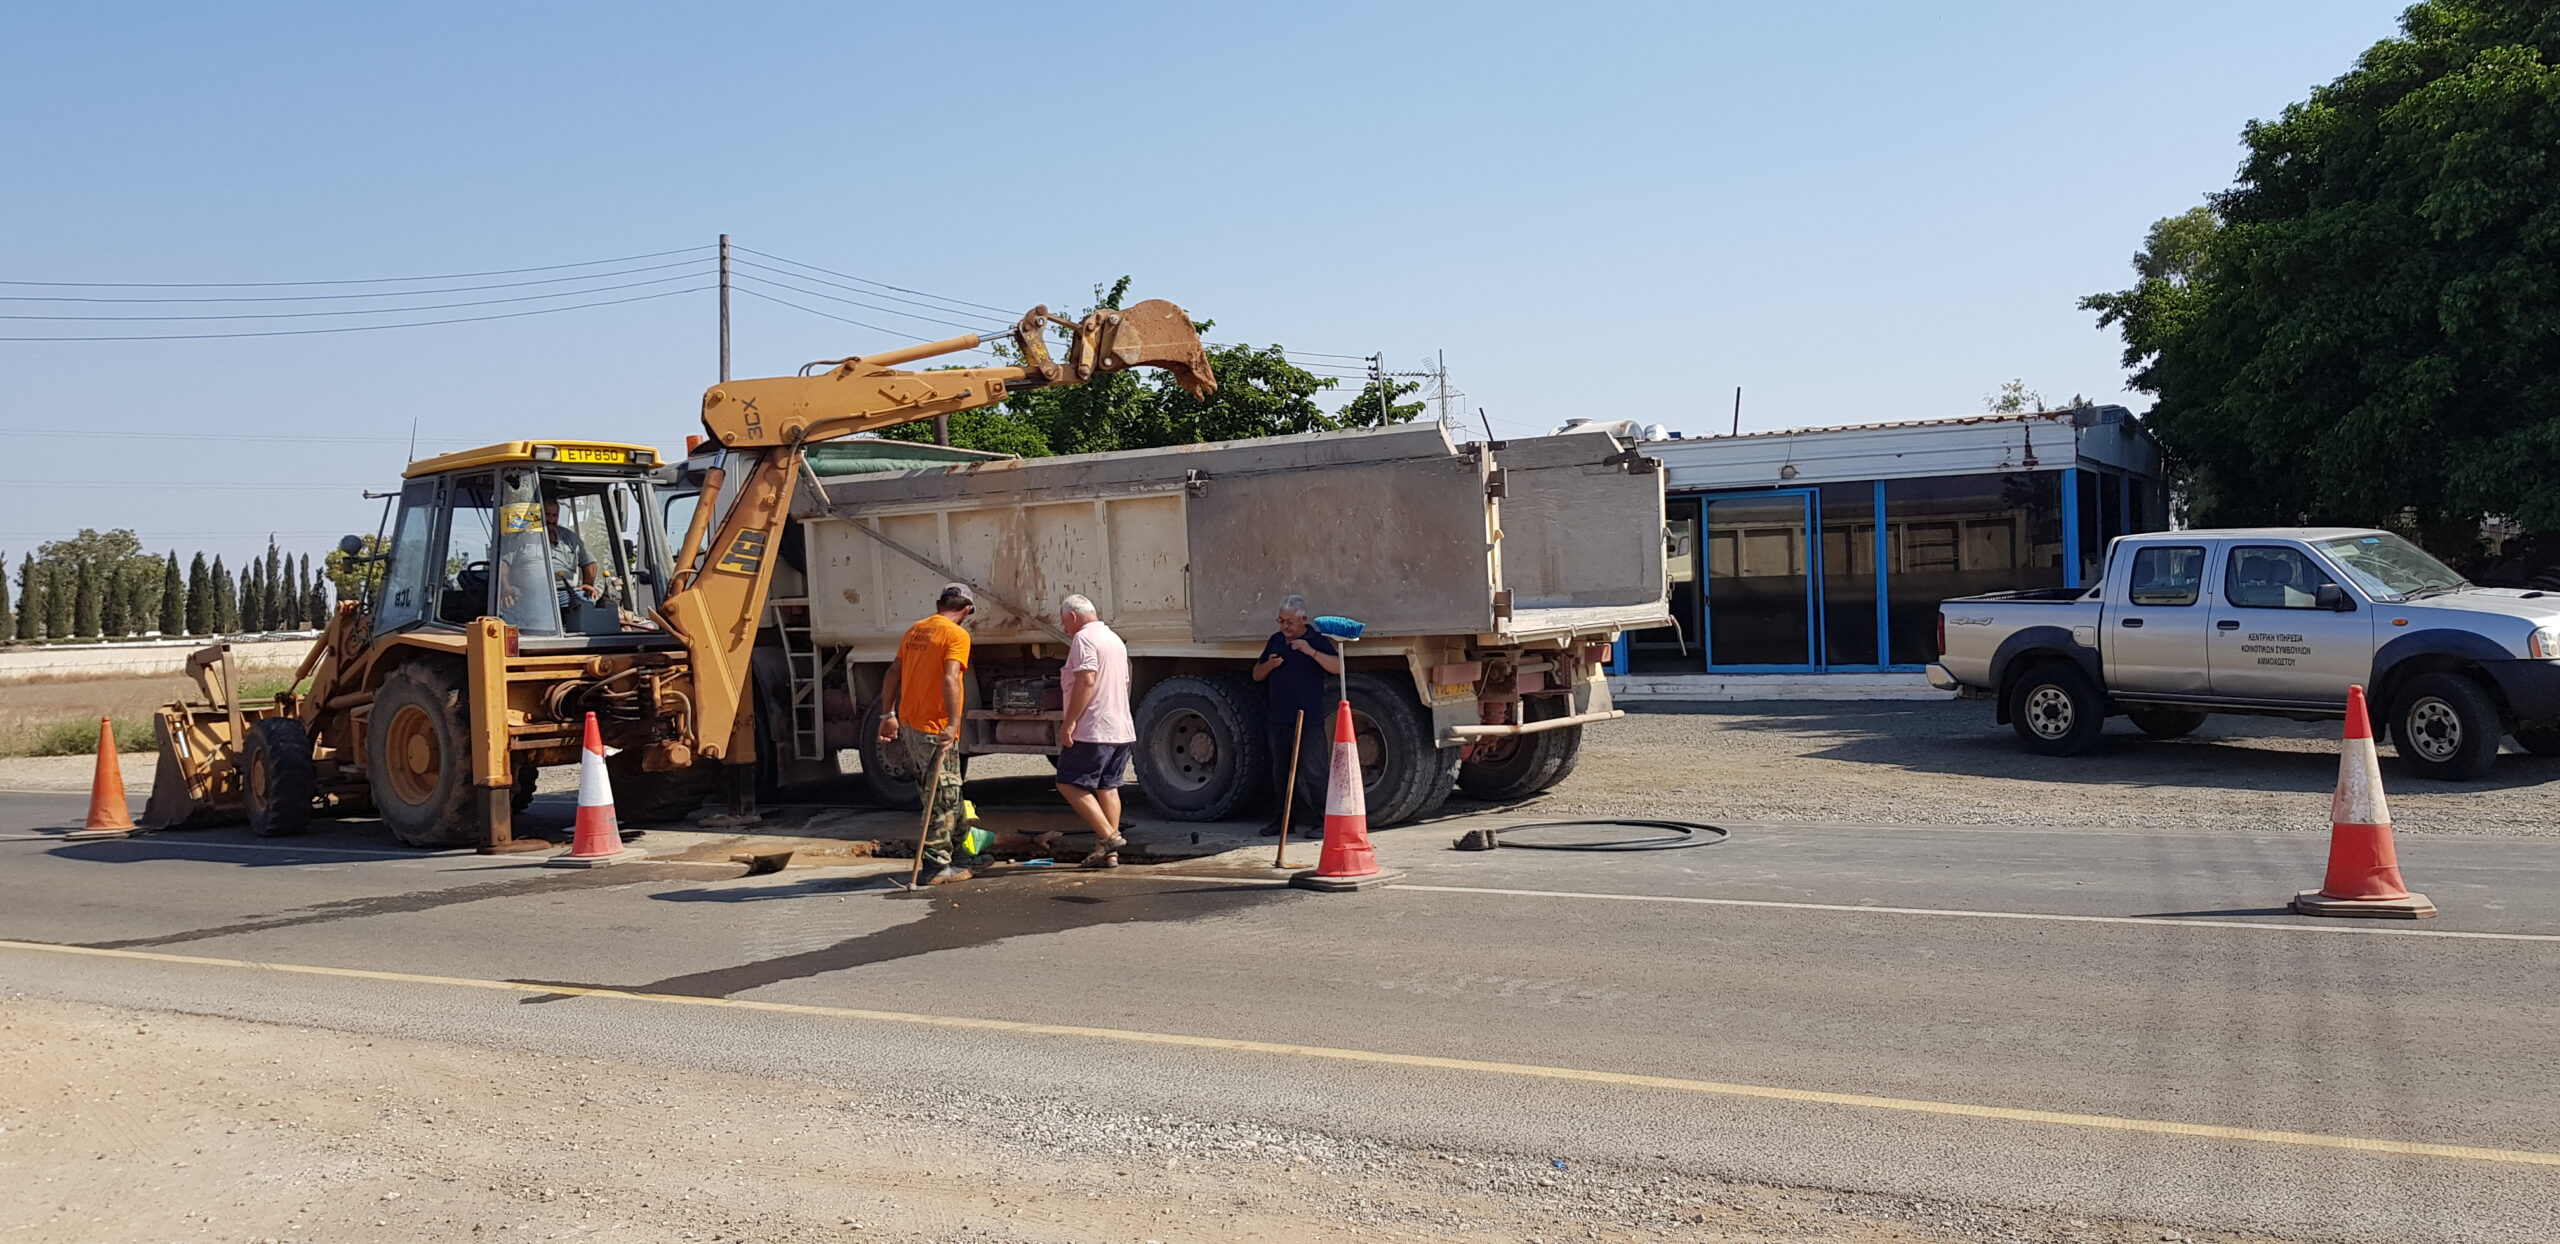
(1297, 669)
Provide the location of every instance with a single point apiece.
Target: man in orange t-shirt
(920, 706)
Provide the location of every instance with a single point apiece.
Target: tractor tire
(520, 797)
(2055, 711)
(642, 797)
(893, 781)
(1505, 769)
(418, 752)
(1200, 753)
(1404, 771)
(2164, 723)
(279, 783)
(2445, 726)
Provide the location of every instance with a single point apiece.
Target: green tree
(32, 604)
(1376, 406)
(84, 600)
(8, 616)
(199, 603)
(253, 596)
(2367, 324)
(354, 579)
(271, 589)
(115, 603)
(173, 598)
(226, 601)
(63, 594)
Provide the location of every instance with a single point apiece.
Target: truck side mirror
(2334, 599)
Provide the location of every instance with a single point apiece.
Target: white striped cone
(1347, 852)
(599, 833)
(2363, 878)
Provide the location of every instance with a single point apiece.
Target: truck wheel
(520, 797)
(893, 781)
(671, 795)
(2164, 723)
(1504, 769)
(419, 754)
(2055, 710)
(275, 763)
(2540, 740)
(1404, 772)
(2444, 726)
(1200, 746)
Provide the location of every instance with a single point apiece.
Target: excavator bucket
(1154, 333)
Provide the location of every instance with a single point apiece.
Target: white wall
(156, 657)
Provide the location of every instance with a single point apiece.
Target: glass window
(2389, 567)
(2167, 575)
(2273, 577)
(1674, 649)
(406, 586)
(1960, 535)
(462, 572)
(1849, 574)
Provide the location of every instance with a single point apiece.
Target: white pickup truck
(2273, 621)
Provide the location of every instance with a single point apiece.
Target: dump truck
(1493, 576)
(530, 584)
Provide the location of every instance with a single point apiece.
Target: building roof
(2087, 416)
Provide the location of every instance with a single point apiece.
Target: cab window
(2273, 577)
(2167, 574)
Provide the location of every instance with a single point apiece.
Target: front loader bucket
(1156, 333)
(197, 780)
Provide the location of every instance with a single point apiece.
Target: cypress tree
(223, 621)
(31, 599)
(8, 616)
(62, 596)
(115, 603)
(199, 598)
(272, 588)
(84, 601)
(253, 597)
(318, 594)
(173, 597)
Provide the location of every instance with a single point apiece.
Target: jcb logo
(746, 553)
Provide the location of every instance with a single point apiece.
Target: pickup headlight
(2545, 643)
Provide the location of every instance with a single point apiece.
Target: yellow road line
(1613, 1079)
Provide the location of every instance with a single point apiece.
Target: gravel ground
(1946, 763)
(121, 1125)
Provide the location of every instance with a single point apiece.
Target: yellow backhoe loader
(529, 583)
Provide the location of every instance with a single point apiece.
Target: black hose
(1679, 834)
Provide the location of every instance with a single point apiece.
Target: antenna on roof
(1737, 410)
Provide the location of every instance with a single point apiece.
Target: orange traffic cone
(2364, 872)
(109, 815)
(1348, 862)
(599, 837)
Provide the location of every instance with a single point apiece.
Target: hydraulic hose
(1675, 835)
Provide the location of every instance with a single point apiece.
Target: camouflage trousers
(943, 823)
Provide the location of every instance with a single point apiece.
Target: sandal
(1105, 854)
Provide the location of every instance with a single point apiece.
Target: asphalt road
(2122, 1024)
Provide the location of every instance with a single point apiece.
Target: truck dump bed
(1197, 544)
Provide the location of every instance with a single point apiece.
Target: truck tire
(1404, 771)
(520, 797)
(669, 795)
(2055, 711)
(1200, 753)
(418, 755)
(1504, 769)
(2164, 723)
(893, 781)
(278, 781)
(2540, 740)
(2445, 726)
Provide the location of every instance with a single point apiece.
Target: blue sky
(1856, 212)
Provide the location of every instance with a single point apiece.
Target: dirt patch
(56, 716)
(119, 1125)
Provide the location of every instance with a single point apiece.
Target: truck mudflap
(2531, 689)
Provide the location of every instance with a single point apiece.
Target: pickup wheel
(2540, 740)
(2445, 726)
(2164, 723)
(2055, 711)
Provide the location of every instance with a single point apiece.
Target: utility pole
(1440, 376)
(724, 308)
(1378, 377)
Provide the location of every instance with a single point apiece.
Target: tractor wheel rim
(413, 755)
(2435, 729)
(2049, 712)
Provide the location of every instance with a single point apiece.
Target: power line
(371, 328)
(379, 280)
(304, 315)
(980, 328)
(173, 484)
(755, 293)
(882, 284)
(749, 263)
(235, 436)
(399, 293)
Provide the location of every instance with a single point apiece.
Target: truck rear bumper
(1939, 677)
(1536, 727)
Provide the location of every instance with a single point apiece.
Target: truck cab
(2269, 621)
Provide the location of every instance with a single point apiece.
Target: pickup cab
(2270, 621)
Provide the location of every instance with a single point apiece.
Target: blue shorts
(1093, 766)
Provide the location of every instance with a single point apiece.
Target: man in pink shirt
(1098, 733)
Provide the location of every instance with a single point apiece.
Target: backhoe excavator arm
(723, 575)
